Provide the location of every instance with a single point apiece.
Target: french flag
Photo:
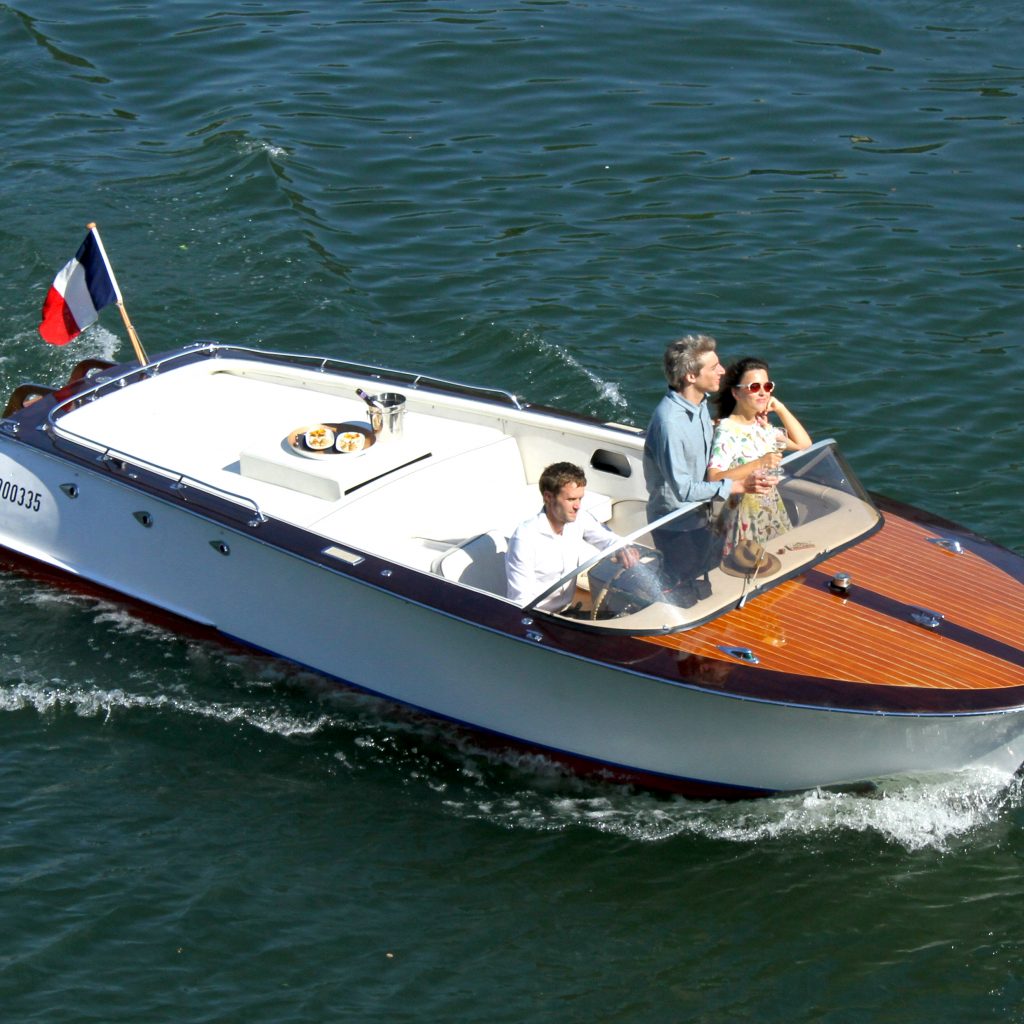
(78, 293)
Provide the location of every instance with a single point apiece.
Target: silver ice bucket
(392, 413)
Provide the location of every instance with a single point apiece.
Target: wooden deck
(802, 628)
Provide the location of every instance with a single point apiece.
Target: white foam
(104, 612)
(96, 342)
(607, 390)
(915, 814)
(262, 146)
(95, 702)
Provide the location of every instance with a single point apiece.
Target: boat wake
(102, 344)
(355, 734)
(59, 360)
(607, 391)
(92, 702)
(914, 814)
(938, 813)
(531, 792)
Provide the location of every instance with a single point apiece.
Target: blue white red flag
(79, 292)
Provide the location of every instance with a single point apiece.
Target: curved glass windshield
(705, 559)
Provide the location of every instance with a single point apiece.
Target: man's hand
(627, 557)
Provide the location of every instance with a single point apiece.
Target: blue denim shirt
(676, 455)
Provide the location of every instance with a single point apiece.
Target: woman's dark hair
(725, 400)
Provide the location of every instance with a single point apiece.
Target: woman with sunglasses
(745, 439)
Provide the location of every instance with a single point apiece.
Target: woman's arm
(798, 437)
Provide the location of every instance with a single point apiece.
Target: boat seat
(478, 563)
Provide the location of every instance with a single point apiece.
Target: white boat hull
(516, 685)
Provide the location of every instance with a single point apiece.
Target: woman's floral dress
(757, 517)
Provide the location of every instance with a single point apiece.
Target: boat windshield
(704, 559)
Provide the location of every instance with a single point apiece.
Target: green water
(535, 196)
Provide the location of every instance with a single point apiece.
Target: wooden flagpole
(140, 352)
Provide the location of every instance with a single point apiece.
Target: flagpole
(140, 352)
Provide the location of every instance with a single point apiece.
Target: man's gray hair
(685, 356)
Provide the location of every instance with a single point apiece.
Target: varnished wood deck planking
(901, 564)
(801, 628)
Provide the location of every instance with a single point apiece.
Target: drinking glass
(781, 442)
(780, 439)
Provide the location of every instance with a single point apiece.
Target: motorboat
(353, 519)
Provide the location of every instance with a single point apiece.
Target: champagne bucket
(392, 409)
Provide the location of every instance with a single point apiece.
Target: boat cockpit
(827, 510)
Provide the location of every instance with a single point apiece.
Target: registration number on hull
(13, 493)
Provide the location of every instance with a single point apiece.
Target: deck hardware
(611, 462)
(840, 584)
(532, 634)
(257, 520)
(144, 518)
(220, 547)
(386, 573)
(118, 466)
(527, 621)
(741, 653)
(926, 618)
(950, 544)
(345, 556)
(71, 490)
(11, 427)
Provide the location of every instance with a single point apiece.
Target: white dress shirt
(537, 557)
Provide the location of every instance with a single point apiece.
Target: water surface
(536, 196)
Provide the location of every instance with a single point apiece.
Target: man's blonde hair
(685, 356)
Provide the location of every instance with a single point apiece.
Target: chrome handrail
(108, 456)
(326, 363)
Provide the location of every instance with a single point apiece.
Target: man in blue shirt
(676, 455)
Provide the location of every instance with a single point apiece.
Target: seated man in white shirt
(550, 544)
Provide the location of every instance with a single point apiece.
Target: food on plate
(350, 441)
(319, 438)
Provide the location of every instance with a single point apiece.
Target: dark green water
(537, 196)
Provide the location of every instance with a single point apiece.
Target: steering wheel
(638, 582)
